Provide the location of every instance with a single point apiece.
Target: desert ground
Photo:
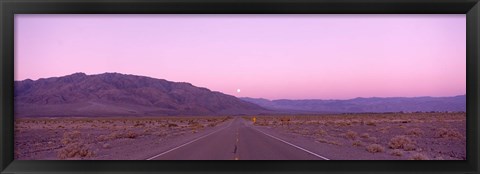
(390, 136)
(104, 138)
(402, 136)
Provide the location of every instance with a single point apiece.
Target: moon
(238, 90)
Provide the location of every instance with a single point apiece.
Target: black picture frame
(8, 8)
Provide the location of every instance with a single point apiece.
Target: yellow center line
(236, 154)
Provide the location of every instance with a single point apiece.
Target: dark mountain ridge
(114, 94)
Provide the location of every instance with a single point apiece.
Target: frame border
(8, 9)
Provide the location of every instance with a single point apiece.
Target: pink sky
(266, 56)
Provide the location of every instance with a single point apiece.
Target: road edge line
(291, 144)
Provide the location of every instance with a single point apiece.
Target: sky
(261, 56)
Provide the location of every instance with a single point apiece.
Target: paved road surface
(238, 141)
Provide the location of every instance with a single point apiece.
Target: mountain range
(114, 94)
(374, 104)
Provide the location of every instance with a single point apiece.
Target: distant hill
(114, 94)
(375, 104)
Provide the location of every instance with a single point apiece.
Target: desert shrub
(397, 152)
(138, 124)
(172, 125)
(370, 123)
(196, 125)
(106, 146)
(401, 142)
(321, 132)
(74, 146)
(351, 135)
(357, 143)
(162, 125)
(117, 134)
(302, 131)
(102, 138)
(419, 156)
(113, 135)
(74, 150)
(384, 129)
(355, 121)
(285, 120)
(375, 148)
(343, 123)
(447, 133)
(409, 147)
(71, 137)
(365, 135)
(192, 122)
(321, 140)
(415, 132)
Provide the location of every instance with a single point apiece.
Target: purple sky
(267, 56)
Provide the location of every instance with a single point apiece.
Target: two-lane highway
(238, 141)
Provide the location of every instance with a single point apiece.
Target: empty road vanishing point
(238, 140)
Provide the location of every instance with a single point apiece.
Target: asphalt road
(237, 141)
